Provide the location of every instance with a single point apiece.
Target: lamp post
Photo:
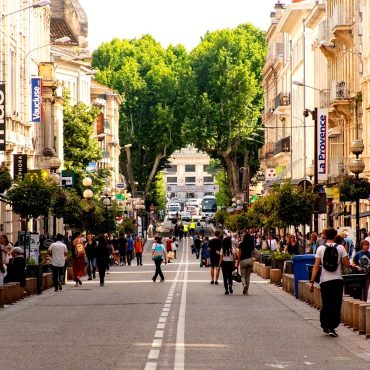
(37, 4)
(106, 204)
(357, 166)
(87, 194)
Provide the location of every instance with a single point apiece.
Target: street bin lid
(303, 257)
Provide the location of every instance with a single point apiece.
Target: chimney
(279, 8)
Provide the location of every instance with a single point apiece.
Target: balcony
(341, 24)
(282, 146)
(282, 102)
(340, 98)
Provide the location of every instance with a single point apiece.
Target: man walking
(331, 281)
(58, 251)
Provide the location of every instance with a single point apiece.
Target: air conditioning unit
(334, 131)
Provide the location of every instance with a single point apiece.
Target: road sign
(192, 188)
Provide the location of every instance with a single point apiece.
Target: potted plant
(278, 259)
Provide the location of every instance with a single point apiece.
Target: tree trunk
(232, 174)
(246, 178)
(153, 173)
(129, 170)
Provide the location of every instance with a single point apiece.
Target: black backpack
(330, 259)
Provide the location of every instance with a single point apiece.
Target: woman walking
(246, 248)
(158, 255)
(227, 253)
(78, 257)
(102, 254)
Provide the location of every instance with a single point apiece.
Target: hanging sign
(2, 117)
(322, 145)
(19, 165)
(36, 99)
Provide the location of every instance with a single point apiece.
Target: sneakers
(153, 278)
(326, 331)
(333, 333)
(231, 289)
(245, 290)
(60, 286)
(226, 292)
(162, 280)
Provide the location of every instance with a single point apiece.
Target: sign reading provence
(36, 99)
(19, 165)
(322, 145)
(2, 117)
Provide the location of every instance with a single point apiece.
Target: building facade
(324, 69)
(187, 176)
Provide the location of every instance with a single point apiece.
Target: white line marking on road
(107, 282)
(166, 309)
(150, 366)
(166, 305)
(159, 334)
(164, 314)
(153, 354)
(162, 319)
(161, 326)
(157, 343)
(180, 334)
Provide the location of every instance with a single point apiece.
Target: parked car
(185, 216)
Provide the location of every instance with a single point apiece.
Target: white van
(173, 210)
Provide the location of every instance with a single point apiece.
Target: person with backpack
(332, 257)
(159, 255)
(361, 262)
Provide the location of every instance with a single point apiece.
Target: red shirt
(169, 245)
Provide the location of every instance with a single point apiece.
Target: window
(208, 179)
(190, 168)
(173, 168)
(190, 180)
(171, 179)
(205, 167)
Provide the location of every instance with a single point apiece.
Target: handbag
(170, 255)
(236, 276)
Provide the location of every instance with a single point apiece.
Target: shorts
(215, 260)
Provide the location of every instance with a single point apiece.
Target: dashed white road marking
(159, 334)
(153, 354)
(157, 343)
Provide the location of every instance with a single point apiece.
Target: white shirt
(272, 243)
(58, 250)
(228, 258)
(337, 274)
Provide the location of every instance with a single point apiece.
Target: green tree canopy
(224, 97)
(148, 78)
(80, 147)
(32, 197)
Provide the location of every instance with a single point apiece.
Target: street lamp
(357, 166)
(37, 4)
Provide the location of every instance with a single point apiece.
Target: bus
(209, 206)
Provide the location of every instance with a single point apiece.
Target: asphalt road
(183, 323)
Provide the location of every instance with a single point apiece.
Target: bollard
(367, 329)
(344, 311)
(1, 297)
(275, 276)
(317, 296)
(356, 313)
(350, 313)
(267, 272)
(362, 317)
(309, 295)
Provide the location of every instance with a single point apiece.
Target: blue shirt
(130, 244)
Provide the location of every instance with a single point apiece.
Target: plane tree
(224, 98)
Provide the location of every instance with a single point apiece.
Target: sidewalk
(348, 339)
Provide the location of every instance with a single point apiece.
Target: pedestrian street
(182, 323)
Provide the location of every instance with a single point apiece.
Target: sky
(170, 21)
